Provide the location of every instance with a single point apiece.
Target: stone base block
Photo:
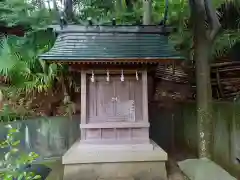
(116, 171)
(111, 162)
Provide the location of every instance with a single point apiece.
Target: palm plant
(10, 65)
(25, 71)
(27, 74)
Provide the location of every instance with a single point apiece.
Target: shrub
(15, 162)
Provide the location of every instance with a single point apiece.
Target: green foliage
(18, 12)
(27, 74)
(178, 16)
(8, 114)
(20, 63)
(103, 11)
(225, 41)
(14, 161)
(183, 37)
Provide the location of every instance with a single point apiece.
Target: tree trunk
(147, 12)
(204, 98)
(55, 5)
(203, 41)
(118, 8)
(129, 4)
(49, 5)
(69, 9)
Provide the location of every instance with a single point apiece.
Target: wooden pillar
(83, 103)
(145, 95)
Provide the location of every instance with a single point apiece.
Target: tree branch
(191, 5)
(192, 10)
(198, 18)
(212, 19)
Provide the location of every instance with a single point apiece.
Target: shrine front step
(137, 164)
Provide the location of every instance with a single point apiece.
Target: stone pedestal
(108, 162)
(114, 127)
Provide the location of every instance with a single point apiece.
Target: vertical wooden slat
(95, 98)
(91, 98)
(100, 133)
(131, 133)
(137, 90)
(114, 95)
(115, 133)
(145, 95)
(83, 103)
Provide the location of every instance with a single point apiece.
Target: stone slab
(81, 153)
(115, 147)
(116, 171)
(203, 169)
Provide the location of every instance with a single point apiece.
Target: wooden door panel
(122, 90)
(100, 99)
(115, 100)
(127, 92)
(105, 93)
(124, 106)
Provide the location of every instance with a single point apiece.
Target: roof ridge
(145, 29)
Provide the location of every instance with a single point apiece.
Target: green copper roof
(82, 44)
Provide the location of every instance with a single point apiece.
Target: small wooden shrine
(114, 63)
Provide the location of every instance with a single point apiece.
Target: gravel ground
(174, 172)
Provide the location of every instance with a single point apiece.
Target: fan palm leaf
(10, 65)
(19, 68)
